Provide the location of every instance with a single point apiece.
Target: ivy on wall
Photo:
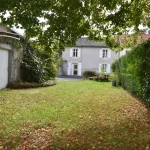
(36, 66)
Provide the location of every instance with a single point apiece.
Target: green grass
(73, 115)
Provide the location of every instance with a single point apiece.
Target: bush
(100, 78)
(89, 73)
(113, 77)
(37, 66)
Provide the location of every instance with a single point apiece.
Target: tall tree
(62, 22)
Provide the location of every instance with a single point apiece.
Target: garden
(73, 115)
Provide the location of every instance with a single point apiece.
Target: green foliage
(37, 66)
(113, 77)
(142, 54)
(32, 67)
(100, 78)
(133, 71)
(65, 21)
(50, 66)
(102, 73)
(89, 73)
(113, 66)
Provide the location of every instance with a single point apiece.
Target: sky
(19, 31)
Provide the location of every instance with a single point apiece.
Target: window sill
(105, 58)
(75, 57)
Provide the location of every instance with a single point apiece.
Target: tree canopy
(56, 23)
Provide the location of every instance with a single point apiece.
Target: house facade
(10, 58)
(87, 55)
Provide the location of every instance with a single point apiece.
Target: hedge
(133, 70)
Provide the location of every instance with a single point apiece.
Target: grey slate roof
(83, 41)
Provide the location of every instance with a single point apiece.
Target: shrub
(100, 78)
(37, 66)
(89, 73)
(113, 65)
(113, 77)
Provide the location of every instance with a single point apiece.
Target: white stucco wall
(89, 58)
(123, 52)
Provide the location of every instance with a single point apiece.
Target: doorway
(75, 69)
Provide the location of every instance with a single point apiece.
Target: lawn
(73, 115)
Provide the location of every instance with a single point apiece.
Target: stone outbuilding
(10, 56)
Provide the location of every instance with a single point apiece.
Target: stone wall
(16, 58)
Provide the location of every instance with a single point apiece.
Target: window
(104, 67)
(75, 70)
(75, 52)
(105, 53)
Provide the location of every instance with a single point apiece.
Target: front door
(75, 69)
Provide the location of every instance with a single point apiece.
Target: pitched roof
(11, 33)
(84, 42)
(141, 38)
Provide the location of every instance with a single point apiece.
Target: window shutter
(121, 53)
(79, 69)
(79, 52)
(124, 51)
(69, 68)
(100, 53)
(108, 68)
(72, 69)
(109, 53)
(71, 52)
(99, 68)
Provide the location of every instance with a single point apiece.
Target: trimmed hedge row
(133, 70)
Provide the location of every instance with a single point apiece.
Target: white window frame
(75, 52)
(106, 67)
(71, 68)
(105, 53)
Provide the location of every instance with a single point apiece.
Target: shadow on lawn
(95, 135)
(123, 136)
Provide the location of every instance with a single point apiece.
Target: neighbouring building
(87, 55)
(122, 38)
